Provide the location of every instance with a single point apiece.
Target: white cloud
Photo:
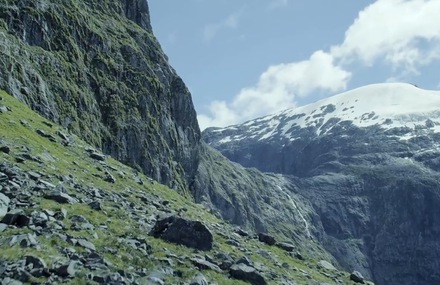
(231, 22)
(403, 33)
(277, 89)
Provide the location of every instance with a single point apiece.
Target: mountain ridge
(388, 104)
(373, 184)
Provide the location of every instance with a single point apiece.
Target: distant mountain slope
(368, 161)
(400, 114)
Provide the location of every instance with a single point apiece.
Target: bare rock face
(185, 232)
(110, 85)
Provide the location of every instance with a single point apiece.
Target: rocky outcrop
(104, 78)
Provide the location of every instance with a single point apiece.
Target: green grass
(86, 173)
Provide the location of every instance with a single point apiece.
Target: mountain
(368, 162)
(72, 215)
(96, 68)
(71, 212)
(114, 185)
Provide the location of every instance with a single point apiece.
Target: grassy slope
(60, 161)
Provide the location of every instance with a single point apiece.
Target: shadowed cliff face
(96, 68)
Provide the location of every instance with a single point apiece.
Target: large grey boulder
(246, 273)
(185, 232)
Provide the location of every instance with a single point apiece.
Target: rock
(110, 178)
(5, 149)
(60, 197)
(78, 219)
(50, 125)
(35, 261)
(286, 246)
(86, 244)
(97, 156)
(68, 270)
(34, 176)
(266, 238)
(246, 273)
(4, 204)
(204, 264)
(40, 219)
(9, 281)
(153, 280)
(241, 232)
(16, 218)
(185, 232)
(61, 214)
(42, 133)
(3, 227)
(25, 240)
(63, 136)
(244, 260)
(225, 260)
(326, 265)
(357, 277)
(3, 177)
(199, 280)
(96, 205)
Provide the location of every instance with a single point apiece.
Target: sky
(243, 59)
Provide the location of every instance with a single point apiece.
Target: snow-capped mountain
(379, 118)
(368, 162)
(388, 106)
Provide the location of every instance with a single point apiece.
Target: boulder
(86, 244)
(204, 264)
(35, 261)
(67, 270)
(5, 149)
(357, 277)
(286, 246)
(16, 218)
(266, 238)
(97, 156)
(246, 273)
(326, 265)
(185, 232)
(199, 280)
(60, 197)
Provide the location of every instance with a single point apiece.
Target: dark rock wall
(375, 196)
(96, 68)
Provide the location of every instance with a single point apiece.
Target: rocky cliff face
(368, 162)
(96, 68)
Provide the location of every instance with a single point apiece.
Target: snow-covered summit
(388, 105)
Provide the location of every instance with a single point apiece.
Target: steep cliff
(368, 162)
(96, 68)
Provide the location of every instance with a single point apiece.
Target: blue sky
(243, 59)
